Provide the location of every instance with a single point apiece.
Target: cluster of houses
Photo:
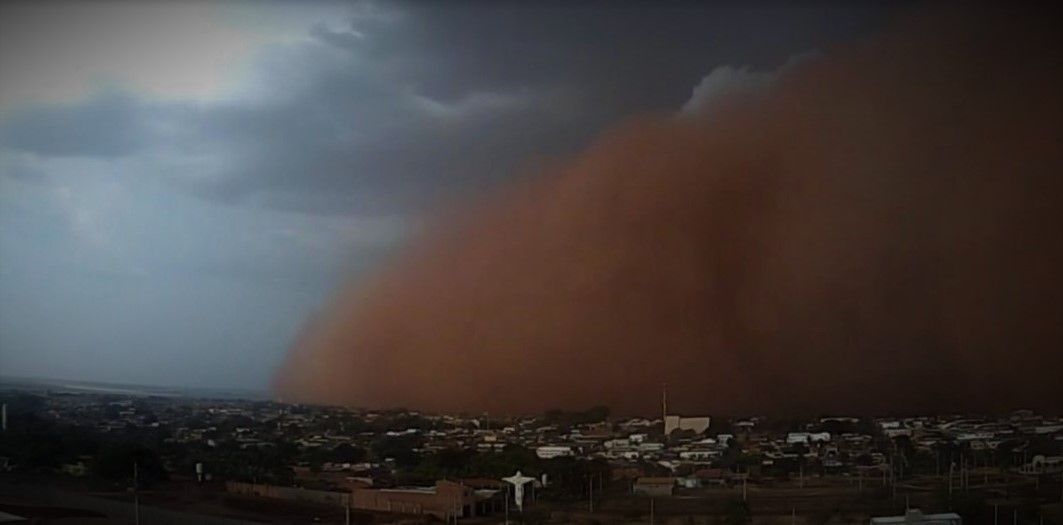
(653, 457)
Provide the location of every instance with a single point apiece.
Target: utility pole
(893, 484)
(966, 475)
(664, 410)
(961, 471)
(891, 468)
(507, 503)
(136, 496)
(664, 402)
(745, 478)
(951, 465)
(967, 472)
(590, 493)
(651, 510)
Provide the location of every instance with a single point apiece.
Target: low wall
(323, 497)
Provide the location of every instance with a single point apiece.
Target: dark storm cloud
(369, 147)
(112, 125)
(623, 57)
(409, 104)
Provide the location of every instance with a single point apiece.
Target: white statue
(518, 481)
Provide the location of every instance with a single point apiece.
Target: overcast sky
(182, 184)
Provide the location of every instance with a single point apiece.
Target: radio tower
(664, 402)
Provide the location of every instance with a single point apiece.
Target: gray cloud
(418, 103)
(110, 125)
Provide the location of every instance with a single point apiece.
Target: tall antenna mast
(664, 402)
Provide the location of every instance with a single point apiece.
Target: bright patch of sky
(61, 52)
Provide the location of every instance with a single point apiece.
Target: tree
(32, 442)
(345, 453)
(594, 414)
(736, 512)
(115, 461)
(730, 455)
(570, 477)
(505, 463)
(398, 448)
(863, 460)
(454, 460)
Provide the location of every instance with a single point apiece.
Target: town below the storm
(121, 456)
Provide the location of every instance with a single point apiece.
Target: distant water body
(72, 386)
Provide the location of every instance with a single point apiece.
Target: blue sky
(181, 185)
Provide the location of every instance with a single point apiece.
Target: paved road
(116, 511)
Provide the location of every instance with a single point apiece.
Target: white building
(672, 422)
(807, 437)
(916, 516)
(651, 447)
(698, 424)
(1043, 465)
(554, 451)
(630, 455)
(698, 455)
